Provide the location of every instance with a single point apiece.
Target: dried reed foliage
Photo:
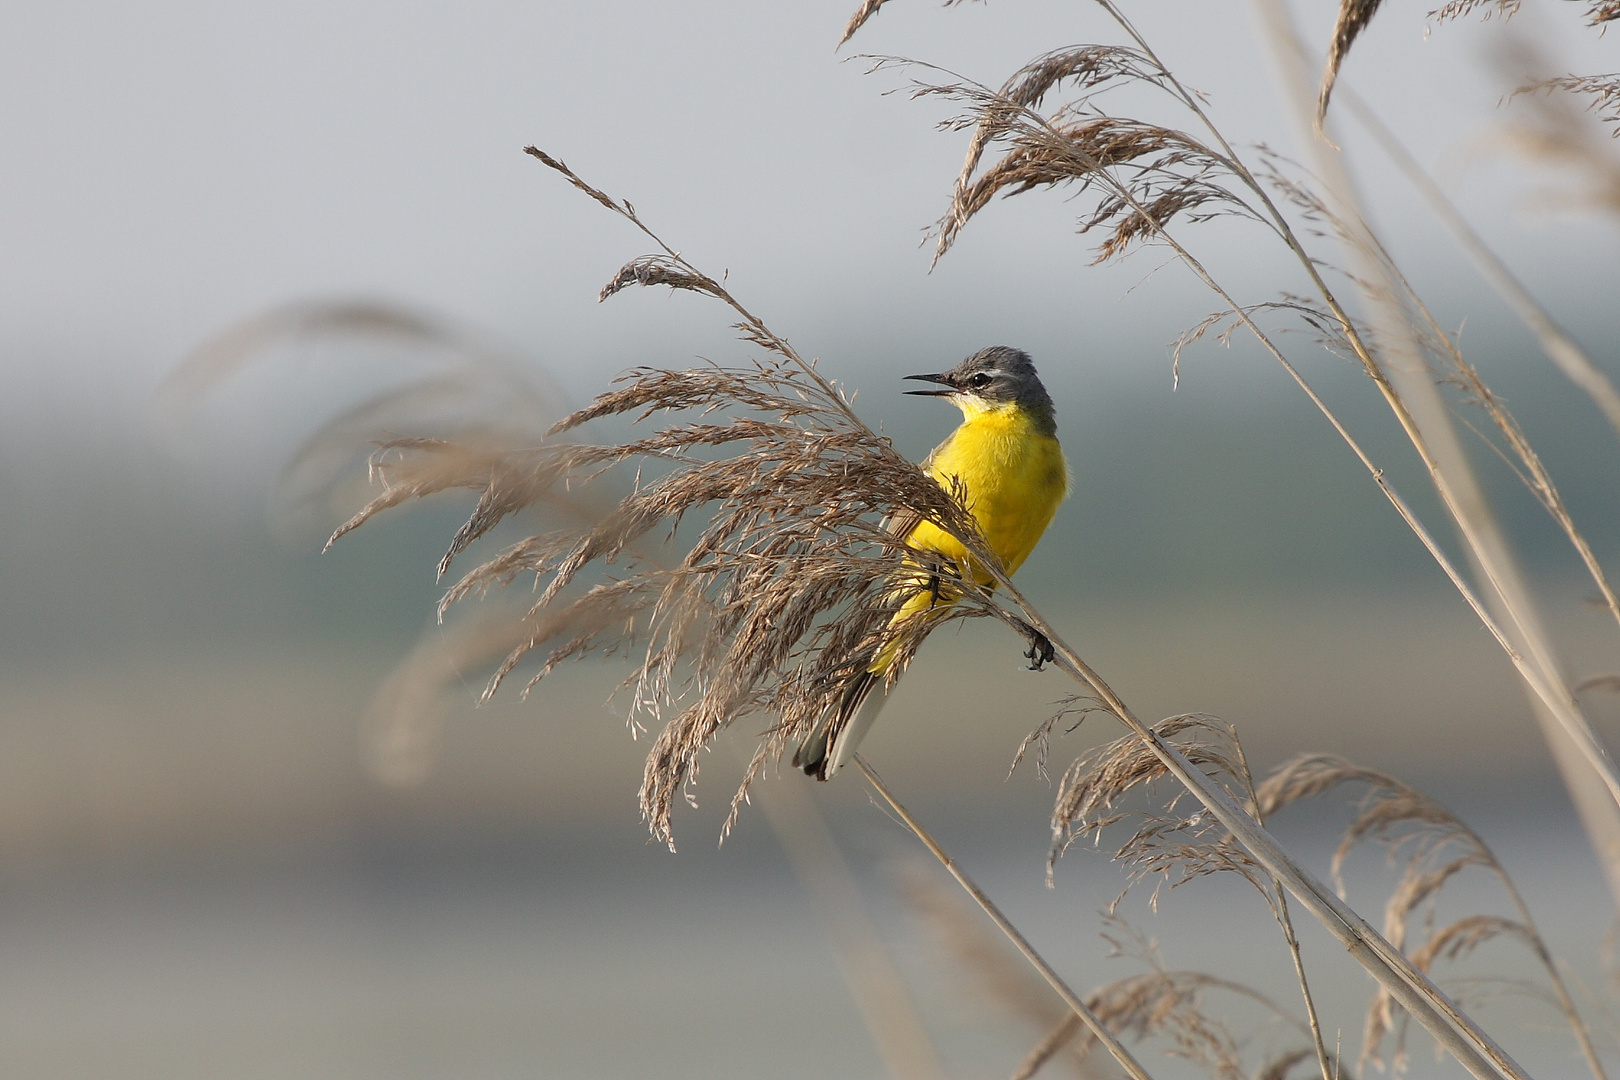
(1143, 175)
(867, 9)
(1354, 15)
(1456, 9)
(402, 725)
(1549, 127)
(1174, 843)
(1431, 846)
(1477, 1051)
(458, 387)
(787, 589)
(789, 584)
(1039, 151)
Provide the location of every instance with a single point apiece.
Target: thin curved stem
(1070, 998)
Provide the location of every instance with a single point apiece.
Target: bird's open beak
(946, 392)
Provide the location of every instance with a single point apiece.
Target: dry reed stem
(1159, 1004)
(1565, 353)
(1093, 1023)
(1475, 1050)
(1003, 978)
(1387, 286)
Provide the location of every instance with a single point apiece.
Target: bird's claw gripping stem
(1040, 652)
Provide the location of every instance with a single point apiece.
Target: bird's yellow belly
(1014, 480)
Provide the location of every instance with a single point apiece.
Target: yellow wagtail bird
(1006, 459)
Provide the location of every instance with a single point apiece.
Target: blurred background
(200, 876)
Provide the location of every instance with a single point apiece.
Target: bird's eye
(980, 381)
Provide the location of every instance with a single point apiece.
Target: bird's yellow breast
(1014, 476)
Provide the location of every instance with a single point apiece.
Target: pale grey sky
(171, 167)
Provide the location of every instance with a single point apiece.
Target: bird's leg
(1040, 650)
(934, 580)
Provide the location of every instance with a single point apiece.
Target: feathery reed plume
(1457, 9)
(1144, 174)
(1432, 846)
(470, 388)
(790, 583)
(1176, 845)
(403, 721)
(1603, 90)
(788, 587)
(1353, 17)
(867, 9)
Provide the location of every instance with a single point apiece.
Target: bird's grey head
(999, 375)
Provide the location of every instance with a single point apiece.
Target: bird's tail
(830, 746)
